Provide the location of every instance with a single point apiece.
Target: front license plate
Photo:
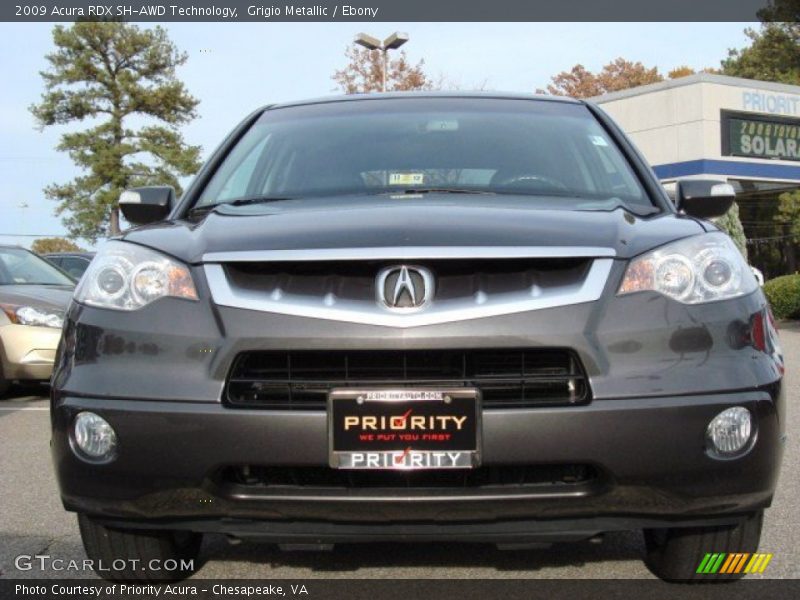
(404, 428)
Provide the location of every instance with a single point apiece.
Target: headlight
(31, 315)
(127, 277)
(702, 268)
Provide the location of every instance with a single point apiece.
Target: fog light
(93, 436)
(730, 430)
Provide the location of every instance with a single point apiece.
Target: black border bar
(383, 10)
(399, 589)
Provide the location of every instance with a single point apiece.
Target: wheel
(676, 554)
(4, 383)
(148, 555)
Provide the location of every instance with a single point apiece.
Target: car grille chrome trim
(262, 478)
(368, 312)
(409, 253)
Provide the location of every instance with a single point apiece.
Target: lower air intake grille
(506, 378)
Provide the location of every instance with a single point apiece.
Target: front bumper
(649, 453)
(659, 372)
(28, 352)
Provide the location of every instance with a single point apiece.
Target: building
(742, 130)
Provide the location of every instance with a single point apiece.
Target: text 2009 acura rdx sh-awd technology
(420, 318)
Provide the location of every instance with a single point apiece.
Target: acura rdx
(420, 317)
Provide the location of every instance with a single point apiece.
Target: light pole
(392, 42)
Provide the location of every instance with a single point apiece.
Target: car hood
(55, 297)
(431, 220)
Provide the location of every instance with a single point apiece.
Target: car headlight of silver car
(36, 316)
(702, 268)
(127, 276)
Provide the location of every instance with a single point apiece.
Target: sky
(233, 68)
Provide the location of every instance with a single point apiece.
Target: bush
(783, 294)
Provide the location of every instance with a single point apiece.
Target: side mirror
(147, 204)
(704, 198)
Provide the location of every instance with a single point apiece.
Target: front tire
(675, 554)
(4, 383)
(148, 555)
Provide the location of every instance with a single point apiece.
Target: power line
(31, 157)
(35, 235)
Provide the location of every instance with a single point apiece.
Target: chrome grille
(465, 288)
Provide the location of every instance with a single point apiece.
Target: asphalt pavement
(33, 522)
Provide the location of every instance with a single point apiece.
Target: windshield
(20, 267)
(388, 146)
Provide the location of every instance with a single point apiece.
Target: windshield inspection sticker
(406, 178)
(598, 140)
(442, 125)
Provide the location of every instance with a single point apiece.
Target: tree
(364, 73)
(54, 244)
(107, 72)
(731, 224)
(622, 74)
(619, 74)
(682, 71)
(773, 55)
(578, 82)
(784, 14)
(788, 219)
(774, 51)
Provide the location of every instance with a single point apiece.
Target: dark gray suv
(419, 317)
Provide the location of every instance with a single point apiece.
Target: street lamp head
(369, 42)
(395, 40)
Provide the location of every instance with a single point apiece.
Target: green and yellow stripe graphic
(731, 563)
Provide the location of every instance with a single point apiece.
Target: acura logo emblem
(404, 288)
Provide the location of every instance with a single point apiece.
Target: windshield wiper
(206, 208)
(438, 190)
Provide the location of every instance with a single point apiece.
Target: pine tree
(106, 73)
